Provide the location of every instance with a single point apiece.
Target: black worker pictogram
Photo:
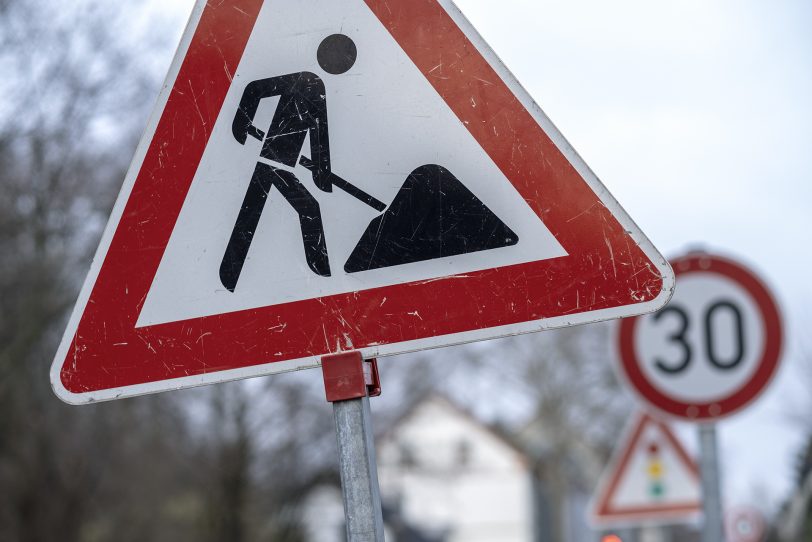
(433, 215)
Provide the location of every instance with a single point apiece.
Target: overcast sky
(696, 116)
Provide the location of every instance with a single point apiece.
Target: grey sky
(696, 116)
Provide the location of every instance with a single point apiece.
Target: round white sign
(712, 349)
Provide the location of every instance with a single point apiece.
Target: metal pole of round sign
(712, 350)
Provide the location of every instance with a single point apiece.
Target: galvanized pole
(712, 527)
(348, 380)
(359, 472)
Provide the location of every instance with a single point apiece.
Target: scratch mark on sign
(611, 254)
(429, 281)
(197, 106)
(582, 213)
(326, 340)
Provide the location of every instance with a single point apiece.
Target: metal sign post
(710, 353)
(712, 528)
(349, 382)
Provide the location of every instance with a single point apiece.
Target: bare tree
(73, 96)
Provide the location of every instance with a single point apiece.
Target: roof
(496, 431)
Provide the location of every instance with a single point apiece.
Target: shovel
(347, 187)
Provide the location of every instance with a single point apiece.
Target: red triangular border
(605, 268)
(603, 509)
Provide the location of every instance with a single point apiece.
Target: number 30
(709, 342)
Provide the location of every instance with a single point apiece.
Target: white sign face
(362, 137)
(650, 479)
(712, 349)
(706, 343)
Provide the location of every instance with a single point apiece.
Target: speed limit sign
(713, 349)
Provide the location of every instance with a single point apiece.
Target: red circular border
(706, 263)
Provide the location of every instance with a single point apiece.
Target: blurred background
(694, 114)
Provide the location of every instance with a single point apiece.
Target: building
(459, 479)
(447, 477)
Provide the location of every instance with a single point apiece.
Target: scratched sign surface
(331, 175)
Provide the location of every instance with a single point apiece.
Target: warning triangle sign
(650, 479)
(331, 175)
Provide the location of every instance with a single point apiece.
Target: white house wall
(323, 515)
(422, 468)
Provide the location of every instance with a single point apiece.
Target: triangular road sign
(327, 175)
(650, 479)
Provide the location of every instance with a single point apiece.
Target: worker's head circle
(337, 54)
